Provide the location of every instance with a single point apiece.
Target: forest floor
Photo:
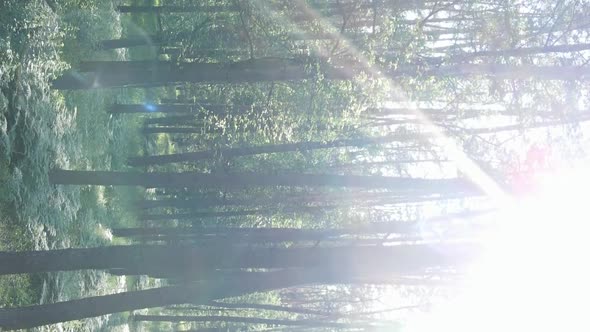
(41, 128)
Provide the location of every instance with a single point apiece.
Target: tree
(287, 147)
(44, 314)
(271, 307)
(176, 9)
(194, 108)
(357, 197)
(249, 320)
(193, 258)
(160, 73)
(188, 180)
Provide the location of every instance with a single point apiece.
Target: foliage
(41, 129)
(437, 62)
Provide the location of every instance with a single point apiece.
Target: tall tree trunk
(520, 127)
(131, 73)
(147, 40)
(237, 213)
(526, 51)
(199, 215)
(275, 148)
(296, 310)
(383, 164)
(286, 234)
(502, 71)
(176, 9)
(270, 307)
(184, 130)
(38, 315)
(195, 108)
(193, 203)
(415, 227)
(351, 198)
(249, 320)
(214, 53)
(189, 179)
(245, 241)
(218, 329)
(193, 258)
(172, 120)
(160, 73)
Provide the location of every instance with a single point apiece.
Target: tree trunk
(200, 215)
(526, 51)
(263, 149)
(183, 130)
(147, 40)
(218, 109)
(248, 320)
(161, 73)
(190, 179)
(286, 234)
(305, 199)
(237, 213)
(171, 120)
(218, 329)
(214, 53)
(501, 71)
(416, 227)
(270, 307)
(192, 203)
(176, 9)
(38, 315)
(348, 259)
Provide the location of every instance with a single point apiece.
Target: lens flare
(534, 275)
(150, 107)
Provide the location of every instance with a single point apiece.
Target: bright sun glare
(535, 273)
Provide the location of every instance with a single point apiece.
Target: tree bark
(219, 109)
(305, 199)
(38, 315)
(199, 215)
(161, 73)
(286, 234)
(190, 179)
(183, 130)
(147, 40)
(270, 307)
(182, 257)
(417, 227)
(249, 320)
(176, 9)
(172, 120)
(192, 203)
(526, 51)
(264, 149)
(196, 293)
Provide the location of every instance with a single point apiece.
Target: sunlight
(534, 275)
(449, 145)
(294, 165)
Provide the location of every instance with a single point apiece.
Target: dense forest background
(244, 165)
